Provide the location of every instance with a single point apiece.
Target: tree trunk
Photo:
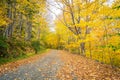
(20, 24)
(6, 33)
(82, 46)
(28, 31)
(9, 30)
(90, 49)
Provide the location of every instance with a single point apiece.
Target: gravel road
(44, 68)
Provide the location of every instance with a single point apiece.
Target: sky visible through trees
(54, 10)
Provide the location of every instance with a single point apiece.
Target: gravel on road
(44, 68)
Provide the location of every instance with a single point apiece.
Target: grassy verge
(6, 60)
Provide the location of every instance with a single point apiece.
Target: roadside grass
(20, 57)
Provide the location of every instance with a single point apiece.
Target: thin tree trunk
(82, 45)
(90, 49)
(21, 24)
(28, 31)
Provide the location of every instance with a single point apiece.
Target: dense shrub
(3, 47)
(36, 46)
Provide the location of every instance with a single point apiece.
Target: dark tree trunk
(82, 46)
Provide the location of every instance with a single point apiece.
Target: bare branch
(60, 8)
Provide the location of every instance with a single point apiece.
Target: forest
(21, 24)
(89, 28)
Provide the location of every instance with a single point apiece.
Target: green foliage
(3, 43)
(36, 46)
(15, 49)
(3, 47)
(118, 34)
(12, 59)
(117, 7)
